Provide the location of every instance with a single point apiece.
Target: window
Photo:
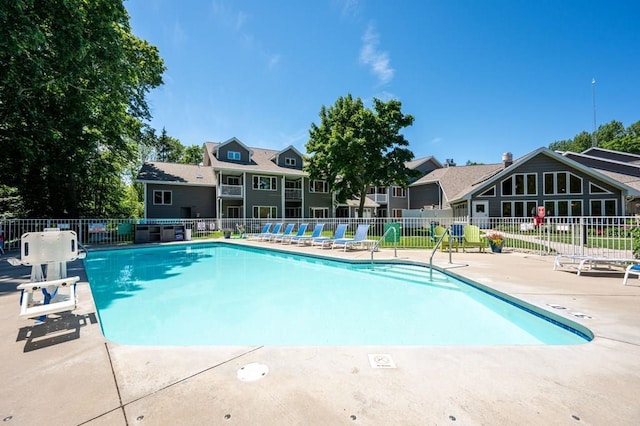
(520, 184)
(293, 212)
(264, 183)
(603, 208)
(318, 186)
(319, 212)
(563, 208)
(264, 212)
(560, 183)
(233, 155)
(397, 212)
(233, 212)
(289, 161)
(162, 198)
(233, 180)
(518, 208)
(399, 192)
(596, 189)
(491, 192)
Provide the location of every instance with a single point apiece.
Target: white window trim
(555, 183)
(602, 201)
(325, 186)
(525, 183)
(484, 193)
(163, 191)
(273, 212)
(290, 161)
(234, 155)
(325, 213)
(273, 185)
(554, 210)
(403, 191)
(604, 190)
(234, 178)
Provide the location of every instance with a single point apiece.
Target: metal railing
(585, 235)
(375, 246)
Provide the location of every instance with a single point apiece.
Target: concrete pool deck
(65, 372)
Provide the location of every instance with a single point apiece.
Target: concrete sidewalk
(64, 372)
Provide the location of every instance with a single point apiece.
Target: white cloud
(436, 141)
(350, 8)
(377, 61)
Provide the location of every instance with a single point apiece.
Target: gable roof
(456, 179)
(609, 154)
(175, 173)
(236, 140)
(414, 164)
(626, 189)
(261, 162)
(289, 148)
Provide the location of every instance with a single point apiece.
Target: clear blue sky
(481, 77)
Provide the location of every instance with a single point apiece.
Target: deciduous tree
(73, 81)
(354, 147)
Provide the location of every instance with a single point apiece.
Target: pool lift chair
(52, 249)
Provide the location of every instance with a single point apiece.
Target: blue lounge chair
(265, 230)
(267, 235)
(303, 239)
(301, 230)
(327, 241)
(360, 239)
(287, 231)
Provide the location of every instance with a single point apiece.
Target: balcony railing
(293, 194)
(379, 198)
(232, 191)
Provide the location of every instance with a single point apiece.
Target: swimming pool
(223, 294)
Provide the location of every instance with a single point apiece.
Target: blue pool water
(220, 294)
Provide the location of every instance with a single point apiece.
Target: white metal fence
(596, 236)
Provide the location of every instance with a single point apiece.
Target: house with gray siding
(542, 178)
(177, 191)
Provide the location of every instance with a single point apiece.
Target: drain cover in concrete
(252, 372)
(381, 361)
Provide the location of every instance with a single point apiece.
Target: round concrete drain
(252, 372)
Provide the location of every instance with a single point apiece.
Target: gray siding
(424, 195)
(290, 153)
(540, 165)
(200, 201)
(233, 146)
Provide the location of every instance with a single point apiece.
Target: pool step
(415, 274)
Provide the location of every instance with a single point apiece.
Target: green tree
(193, 155)
(168, 148)
(581, 142)
(73, 82)
(354, 147)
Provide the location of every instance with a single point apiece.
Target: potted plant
(496, 241)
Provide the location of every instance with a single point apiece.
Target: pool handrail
(435, 249)
(374, 247)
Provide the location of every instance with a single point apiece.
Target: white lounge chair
(287, 232)
(327, 241)
(304, 239)
(301, 230)
(590, 262)
(267, 235)
(264, 231)
(359, 239)
(633, 269)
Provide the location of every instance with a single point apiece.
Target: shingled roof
(262, 161)
(175, 173)
(458, 179)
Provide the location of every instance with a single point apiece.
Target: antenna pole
(594, 141)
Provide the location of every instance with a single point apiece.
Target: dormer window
(233, 155)
(289, 161)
